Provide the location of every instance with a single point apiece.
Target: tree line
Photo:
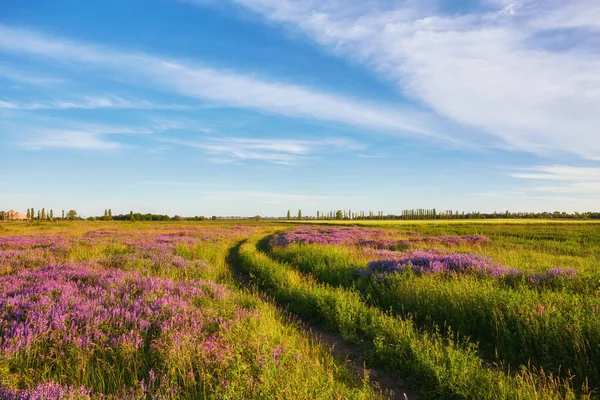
(43, 215)
(407, 214)
(72, 215)
(433, 214)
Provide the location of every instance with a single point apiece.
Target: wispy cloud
(580, 188)
(222, 87)
(566, 179)
(177, 124)
(90, 102)
(500, 68)
(57, 133)
(80, 140)
(372, 156)
(573, 14)
(276, 151)
(558, 173)
(38, 132)
(272, 197)
(181, 183)
(30, 78)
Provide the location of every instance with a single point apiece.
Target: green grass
(449, 337)
(442, 367)
(555, 330)
(305, 369)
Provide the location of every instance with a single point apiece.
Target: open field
(221, 309)
(394, 222)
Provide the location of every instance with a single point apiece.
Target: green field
(260, 292)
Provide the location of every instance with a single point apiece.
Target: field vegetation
(214, 309)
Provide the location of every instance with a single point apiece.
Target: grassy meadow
(467, 309)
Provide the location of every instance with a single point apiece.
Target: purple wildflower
(427, 262)
(278, 351)
(367, 237)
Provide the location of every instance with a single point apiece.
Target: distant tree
(317, 214)
(110, 214)
(2, 215)
(214, 217)
(38, 215)
(131, 217)
(289, 215)
(72, 215)
(43, 213)
(28, 213)
(299, 214)
(51, 215)
(63, 214)
(339, 214)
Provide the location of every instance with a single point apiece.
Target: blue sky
(245, 107)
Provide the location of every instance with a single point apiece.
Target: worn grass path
(391, 385)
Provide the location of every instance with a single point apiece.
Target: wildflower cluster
(56, 307)
(147, 388)
(433, 261)
(156, 249)
(429, 262)
(368, 237)
(54, 312)
(552, 275)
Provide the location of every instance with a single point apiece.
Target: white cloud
(178, 183)
(38, 133)
(92, 102)
(222, 87)
(579, 187)
(569, 180)
(559, 173)
(372, 156)
(271, 197)
(80, 140)
(28, 77)
(276, 151)
(487, 70)
(569, 14)
(173, 124)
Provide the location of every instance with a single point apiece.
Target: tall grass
(517, 324)
(67, 323)
(442, 367)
